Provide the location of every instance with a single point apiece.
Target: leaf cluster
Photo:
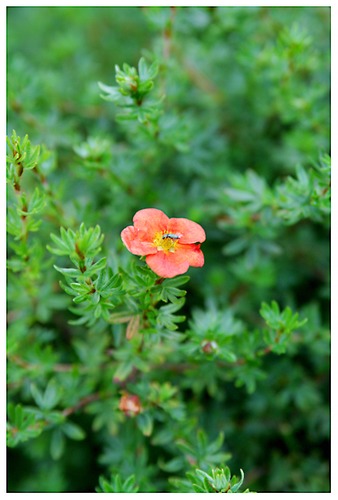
(134, 85)
(116, 485)
(220, 481)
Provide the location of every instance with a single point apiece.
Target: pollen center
(164, 242)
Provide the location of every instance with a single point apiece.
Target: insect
(171, 236)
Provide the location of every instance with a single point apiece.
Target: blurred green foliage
(217, 114)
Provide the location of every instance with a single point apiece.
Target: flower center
(166, 242)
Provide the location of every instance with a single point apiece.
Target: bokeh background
(246, 90)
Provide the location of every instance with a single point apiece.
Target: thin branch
(58, 367)
(83, 402)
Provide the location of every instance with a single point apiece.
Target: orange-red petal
(191, 231)
(150, 221)
(170, 264)
(192, 253)
(136, 241)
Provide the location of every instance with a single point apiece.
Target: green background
(247, 89)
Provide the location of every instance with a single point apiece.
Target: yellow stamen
(164, 244)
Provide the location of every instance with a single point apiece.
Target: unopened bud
(209, 346)
(130, 405)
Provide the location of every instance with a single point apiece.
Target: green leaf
(63, 248)
(236, 485)
(228, 355)
(57, 444)
(52, 395)
(50, 398)
(73, 431)
(110, 93)
(145, 423)
(169, 288)
(166, 316)
(147, 72)
(37, 395)
(173, 465)
(123, 370)
(70, 272)
(95, 268)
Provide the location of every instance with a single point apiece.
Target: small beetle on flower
(170, 245)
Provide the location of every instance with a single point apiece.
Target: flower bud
(130, 405)
(209, 346)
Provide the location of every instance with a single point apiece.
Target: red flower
(170, 245)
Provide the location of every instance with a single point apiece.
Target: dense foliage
(122, 381)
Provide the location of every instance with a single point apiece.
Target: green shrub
(121, 379)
